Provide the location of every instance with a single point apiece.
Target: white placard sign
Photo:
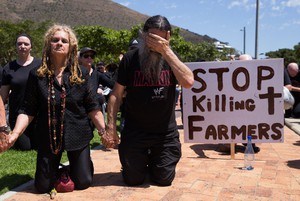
(232, 99)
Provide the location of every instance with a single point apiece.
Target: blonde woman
(59, 96)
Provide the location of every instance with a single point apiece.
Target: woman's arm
(114, 102)
(23, 121)
(3, 134)
(98, 119)
(2, 114)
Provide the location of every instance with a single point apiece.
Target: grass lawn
(16, 168)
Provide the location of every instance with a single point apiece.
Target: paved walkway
(203, 173)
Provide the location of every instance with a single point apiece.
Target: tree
(9, 32)
(297, 53)
(107, 42)
(287, 54)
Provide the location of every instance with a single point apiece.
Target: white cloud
(276, 8)
(127, 3)
(171, 6)
(273, 2)
(296, 22)
(289, 24)
(242, 3)
(234, 3)
(291, 3)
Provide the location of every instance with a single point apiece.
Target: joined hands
(7, 140)
(110, 139)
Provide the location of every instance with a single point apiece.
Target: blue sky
(279, 20)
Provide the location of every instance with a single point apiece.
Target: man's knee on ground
(42, 186)
(133, 180)
(163, 179)
(83, 183)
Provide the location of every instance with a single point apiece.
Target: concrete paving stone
(263, 192)
(268, 174)
(172, 195)
(225, 196)
(282, 196)
(295, 184)
(195, 197)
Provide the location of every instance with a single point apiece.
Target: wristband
(6, 129)
(102, 131)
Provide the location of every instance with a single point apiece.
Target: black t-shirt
(295, 80)
(98, 78)
(149, 106)
(102, 78)
(16, 76)
(105, 80)
(296, 83)
(286, 78)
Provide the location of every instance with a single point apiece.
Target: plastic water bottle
(249, 157)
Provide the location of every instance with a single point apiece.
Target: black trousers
(81, 169)
(153, 154)
(296, 106)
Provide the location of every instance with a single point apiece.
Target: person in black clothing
(101, 67)
(287, 80)
(150, 139)
(288, 98)
(59, 96)
(112, 71)
(86, 59)
(294, 75)
(100, 81)
(14, 78)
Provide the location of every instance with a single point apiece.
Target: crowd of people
(57, 101)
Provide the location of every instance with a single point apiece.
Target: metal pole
(256, 30)
(244, 40)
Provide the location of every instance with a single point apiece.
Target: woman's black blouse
(80, 100)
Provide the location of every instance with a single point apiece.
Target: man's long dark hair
(158, 22)
(152, 62)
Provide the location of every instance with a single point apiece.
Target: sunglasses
(88, 55)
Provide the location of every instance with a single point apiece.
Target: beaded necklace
(55, 140)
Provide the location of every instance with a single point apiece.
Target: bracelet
(102, 131)
(6, 129)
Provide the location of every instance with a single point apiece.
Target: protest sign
(232, 99)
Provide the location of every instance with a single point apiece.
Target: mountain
(105, 13)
